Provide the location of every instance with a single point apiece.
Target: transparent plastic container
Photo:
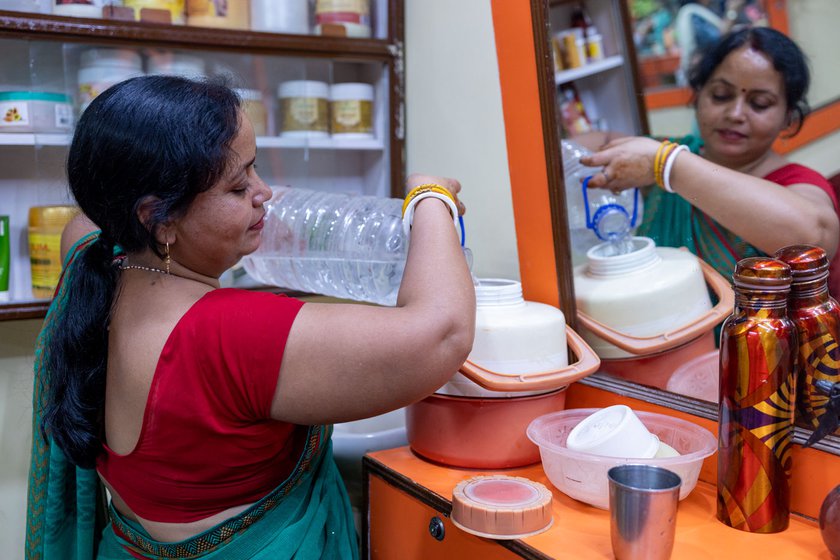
(583, 476)
(339, 245)
(596, 215)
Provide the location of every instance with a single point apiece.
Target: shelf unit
(608, 63)
(42, 51)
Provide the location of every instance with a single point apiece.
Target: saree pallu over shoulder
(65, 509)
(307, 516)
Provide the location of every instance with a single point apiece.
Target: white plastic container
(30, 6)
(254, 108)
(345, 18)
(614, 431)
(646, 292)
(304, 109)
(512, 336)
(351, 110)
(101, 68)
(78, 8)
(280, 16)
(176, 64)
(35, 111)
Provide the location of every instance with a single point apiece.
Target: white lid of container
(113, 58)
(176, 63)
(351, 91)
(501, 507)
(249, 94)
(303, 88)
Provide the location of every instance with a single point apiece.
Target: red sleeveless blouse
(207, 442)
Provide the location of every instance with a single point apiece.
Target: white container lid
(177, 64)
(303, 88)
(249, 94)
(112, 58)
(351, 91)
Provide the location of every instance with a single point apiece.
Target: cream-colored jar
(45, 226)
(303, 108)
(343, 18)
(35, 111)
(254, 108)
(351, 110)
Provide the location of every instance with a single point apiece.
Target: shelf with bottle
(589, 69)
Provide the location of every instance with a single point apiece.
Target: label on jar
(14, 113)
(351, 115)
(174, 7)
(305, 113)
(358, 7)
(63, 115)
(45, 260)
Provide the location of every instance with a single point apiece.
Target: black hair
(155, 136)
(786, 56)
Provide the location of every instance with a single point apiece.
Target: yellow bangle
(657, 159)
(425, 188)
(660, 171)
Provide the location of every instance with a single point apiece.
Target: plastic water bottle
(597, 215)
(339, 245)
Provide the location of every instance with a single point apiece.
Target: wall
(454, 120)
(17, 342)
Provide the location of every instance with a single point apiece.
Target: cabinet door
(403, 528)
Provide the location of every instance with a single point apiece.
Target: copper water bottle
(817, 319)
(757, 397)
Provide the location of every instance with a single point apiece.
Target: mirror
(595, 90)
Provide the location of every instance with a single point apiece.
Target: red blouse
(207, 442)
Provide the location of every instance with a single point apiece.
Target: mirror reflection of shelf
(364, 144)
(589, 69)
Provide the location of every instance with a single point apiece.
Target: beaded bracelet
(669, 164)
(429, 190)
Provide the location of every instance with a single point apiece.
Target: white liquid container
(101, 68)
(280, 16)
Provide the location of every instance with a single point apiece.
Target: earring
(168, 259)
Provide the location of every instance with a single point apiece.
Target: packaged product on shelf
(284, 16)
(78, 8)
(351, 110)
(35, 111)
(45, 226)
(99, 69)
(343, 18)
(176, 64)
(594, 44)
(5, 258)
(303, 108)
(254, 107)
(31, 6)
(573, 117)
(574, 48)
(227, 14)
(175, 8)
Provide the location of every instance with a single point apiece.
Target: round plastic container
(231, 14)
(35, 111)
(176, 64)
(78, 8)
(176, 8)
(614, 431)
(99, 69)
(280, 17)
(343, 18)
(254, 108)
(351, 110)
(304, 109)
(583, 476)
(45, 226)
(698, 378)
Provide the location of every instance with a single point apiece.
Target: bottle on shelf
(758, 348)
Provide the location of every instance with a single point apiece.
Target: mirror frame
(560, 250)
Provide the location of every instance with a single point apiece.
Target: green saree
(307, 516)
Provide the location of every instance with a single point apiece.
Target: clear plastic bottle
(597, 215)
(340, 245)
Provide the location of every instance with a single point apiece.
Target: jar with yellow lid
(45, 226)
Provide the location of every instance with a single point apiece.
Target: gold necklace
(147, 268)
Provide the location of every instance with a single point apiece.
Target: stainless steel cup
(643, 511)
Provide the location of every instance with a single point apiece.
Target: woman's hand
(452, 185)
(627, 163)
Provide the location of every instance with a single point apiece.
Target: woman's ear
(146, 214)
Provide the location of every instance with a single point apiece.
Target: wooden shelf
(58, 28)
(33, 309)
(590, 69)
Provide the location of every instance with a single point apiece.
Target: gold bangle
(659, 171)
(427, 187)
(657, 159)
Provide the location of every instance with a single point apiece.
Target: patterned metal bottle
(817, 319)
(757, 397)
